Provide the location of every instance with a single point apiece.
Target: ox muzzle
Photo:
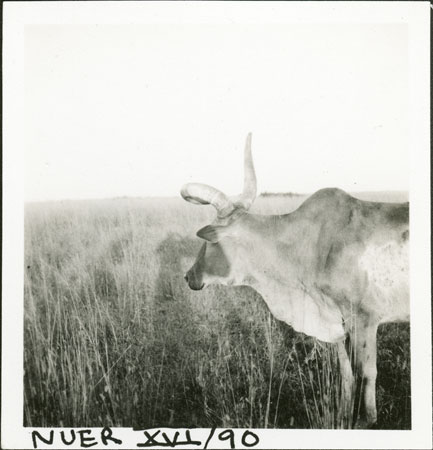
(195, 282)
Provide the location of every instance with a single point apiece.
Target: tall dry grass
(114, 337)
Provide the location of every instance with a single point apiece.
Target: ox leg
(365, 360)
(347, 385)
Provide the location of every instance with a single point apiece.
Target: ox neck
(277, 249)
(274, 224)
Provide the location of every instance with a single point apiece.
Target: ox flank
(387, 269)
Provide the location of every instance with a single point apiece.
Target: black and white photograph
(216, 226)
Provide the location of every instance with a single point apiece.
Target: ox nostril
(186, 277)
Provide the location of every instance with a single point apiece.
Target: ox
(335, 267)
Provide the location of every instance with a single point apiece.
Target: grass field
(114, 337)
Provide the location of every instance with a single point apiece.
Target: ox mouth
(196, 288)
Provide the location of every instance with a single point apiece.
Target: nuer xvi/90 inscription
(335, 269)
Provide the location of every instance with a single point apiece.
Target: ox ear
(213, 233)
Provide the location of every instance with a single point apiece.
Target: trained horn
(250, 182)
(202, 194)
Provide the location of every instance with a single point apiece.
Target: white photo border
(416, 15)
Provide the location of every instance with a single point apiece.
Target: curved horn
(250, 182)
(202, 194)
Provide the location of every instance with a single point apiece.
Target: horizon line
(156, 197)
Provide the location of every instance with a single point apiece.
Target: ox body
(335, 267)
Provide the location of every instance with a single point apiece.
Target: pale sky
(139, 110)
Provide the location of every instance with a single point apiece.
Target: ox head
(217, 261)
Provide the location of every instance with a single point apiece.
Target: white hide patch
(387, 268)
(315, 316)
